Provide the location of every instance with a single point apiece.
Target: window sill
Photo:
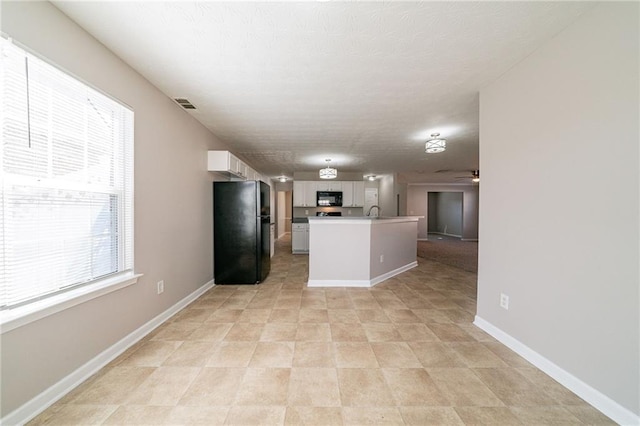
(11, 319)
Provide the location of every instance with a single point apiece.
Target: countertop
(299, 220)
(365, 219)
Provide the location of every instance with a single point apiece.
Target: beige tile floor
(404, 352)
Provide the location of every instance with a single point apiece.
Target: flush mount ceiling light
(371, 177)
(283, 179)
(435, 144)
(476, 176)
(328, 172)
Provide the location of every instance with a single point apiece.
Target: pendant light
(328, 172)
(435, 144)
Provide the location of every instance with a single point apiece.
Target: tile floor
(404, 352)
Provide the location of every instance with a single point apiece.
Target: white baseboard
(601, 402)
(446, 234)
(339, 283)
(461, 239)
(393, 273)
(362, 283)
(39, 403)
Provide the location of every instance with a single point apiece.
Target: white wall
(348, 260)
(417, 203)
(396, 242)
(387, 195)
(173, 225)
(559, 217)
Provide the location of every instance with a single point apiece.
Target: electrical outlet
(504, 301)
(381, 258)
(306, 212)
(160, 286)
(348, 211)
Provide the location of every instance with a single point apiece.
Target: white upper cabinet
(304, 193)
(251, 174)
(358, 194)
(353, 194)
(225, 161)
(329, 186)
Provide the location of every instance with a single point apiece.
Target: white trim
(339, 283)
(361, 220)
(362, 283)
(12, 318)
(393, 273)
(601, 402)
(461, 239)
(446, 235)
(41, 402)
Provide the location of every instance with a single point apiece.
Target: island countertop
(364, 219)
(360, 251)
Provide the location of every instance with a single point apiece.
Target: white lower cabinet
(300, 238)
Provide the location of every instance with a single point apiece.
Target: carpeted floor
(450, 251)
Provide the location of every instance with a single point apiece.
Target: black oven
(329, 198)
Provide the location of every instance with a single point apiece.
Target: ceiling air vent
(184, 103)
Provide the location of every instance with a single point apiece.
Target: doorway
(285, 211)
(444, 215)
(371, 199)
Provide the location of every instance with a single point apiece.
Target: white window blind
(66, 208)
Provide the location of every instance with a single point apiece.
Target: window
(66, 207)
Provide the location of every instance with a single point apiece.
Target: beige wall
(173, 225)
(559, 217)
(417, 203)
(396, 242)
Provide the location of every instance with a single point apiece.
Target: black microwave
(329, 198)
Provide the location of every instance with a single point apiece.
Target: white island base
(360, 251)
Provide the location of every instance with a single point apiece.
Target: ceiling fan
(475, 176)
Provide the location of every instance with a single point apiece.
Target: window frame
(22, 313)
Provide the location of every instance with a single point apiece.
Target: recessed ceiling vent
(184, 103)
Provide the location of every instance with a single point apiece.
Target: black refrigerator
(241, 232)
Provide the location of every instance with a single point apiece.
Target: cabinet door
(297, 240)
(329, 186)
(242, 169)
(322, 186)
(347, 194)
(299, 194)
(250, 174)
(234, 164)
(300, 238)
(358, 194)
(310, 194)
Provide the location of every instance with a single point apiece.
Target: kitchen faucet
(371, 208)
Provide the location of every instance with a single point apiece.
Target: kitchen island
(360, 251)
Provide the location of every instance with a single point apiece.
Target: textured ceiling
(287, 85)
